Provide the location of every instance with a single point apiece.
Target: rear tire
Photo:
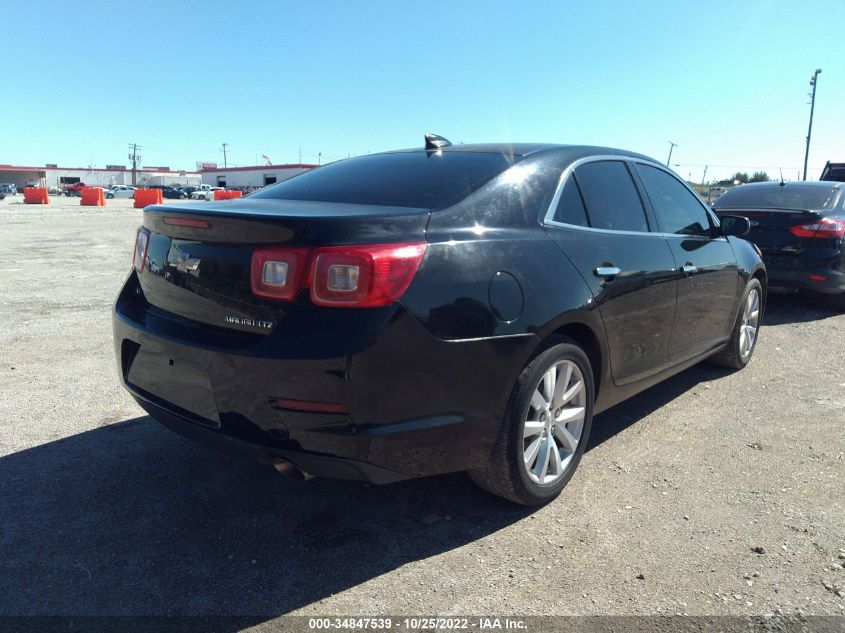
(541, 443)
(740, 348)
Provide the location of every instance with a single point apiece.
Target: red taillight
(361, 276)
(367, 276)
(277, 272)
(825, 228)
(142, 245)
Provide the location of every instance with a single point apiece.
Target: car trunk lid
(198, 259)
(770, 229)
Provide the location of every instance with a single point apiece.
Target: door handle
(607, 271)
(689, 269)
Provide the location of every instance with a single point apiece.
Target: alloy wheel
(554, 423)
(750, 323)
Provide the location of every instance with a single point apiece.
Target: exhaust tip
(292, 472)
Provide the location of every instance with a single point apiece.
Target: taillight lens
(142, 245)
(825, 228)
(363, 276)
(276, 272)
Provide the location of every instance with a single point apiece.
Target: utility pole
(225, 145)
(813, 81)
(704, 177)
(135, 157)
(671, 147)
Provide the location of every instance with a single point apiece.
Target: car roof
(523, 150)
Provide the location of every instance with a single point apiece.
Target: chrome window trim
(547, 219)
(714, 220)
(564, 177)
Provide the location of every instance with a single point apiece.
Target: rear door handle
(689, 269)
(607, 271)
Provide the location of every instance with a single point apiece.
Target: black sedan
(800, 230)
(449, 308)
(174, 193)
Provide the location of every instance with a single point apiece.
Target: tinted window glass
(570, 207)
(790, 196)
(403, 179)
(610, 196)
(677, 209)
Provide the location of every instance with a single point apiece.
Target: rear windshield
(789, 196)
(426, 180)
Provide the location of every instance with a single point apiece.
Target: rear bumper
(316, 465)
(822, 280)
(417, 405)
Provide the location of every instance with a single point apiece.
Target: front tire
(737, 353)
(545, 429)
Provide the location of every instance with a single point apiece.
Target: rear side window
(677, 210)
(570, 207)
(611, 197)
(425, 180)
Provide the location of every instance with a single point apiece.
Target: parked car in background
(174, 193)
(799, 228)
(74, 189)
(205, 194)
(8, 188)
(120, 191)
(189, 190)
(453, 308)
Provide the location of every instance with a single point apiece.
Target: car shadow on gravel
(132, 519)
(796, 308)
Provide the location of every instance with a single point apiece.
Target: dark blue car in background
(799, 228)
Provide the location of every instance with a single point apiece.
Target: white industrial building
(55, 176)
(246, 177)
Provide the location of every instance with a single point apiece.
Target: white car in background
(120, 191)
(205, 194)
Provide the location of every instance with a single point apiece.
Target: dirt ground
(714, 493)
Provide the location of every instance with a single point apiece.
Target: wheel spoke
(573, 391)
(742, 338)
(561, 386)
(555, 456)
(570, 414)
(549, 381)
(537, 400)
(569, 441)
(543, 460)
(532, 428)
(531, 452)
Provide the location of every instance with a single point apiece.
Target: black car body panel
(419, 386)
(806, 262)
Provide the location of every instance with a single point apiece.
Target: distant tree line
(757, 176)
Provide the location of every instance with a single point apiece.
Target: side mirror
(735, 225)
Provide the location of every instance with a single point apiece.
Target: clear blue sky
(727, 81)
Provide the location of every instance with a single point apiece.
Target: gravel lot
(714, 493)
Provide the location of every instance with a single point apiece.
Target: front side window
(677, 210)
(611, 197)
